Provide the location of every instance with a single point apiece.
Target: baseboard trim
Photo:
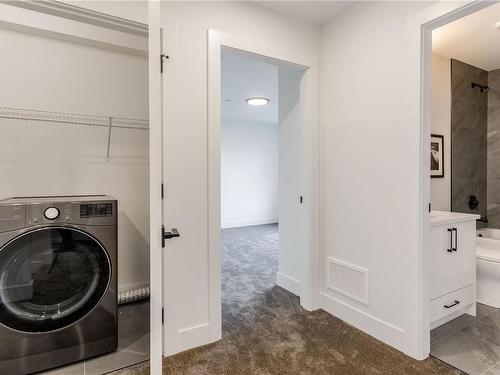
(248, 222)
(378, 328)
(289, 283)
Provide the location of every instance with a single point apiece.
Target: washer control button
(51, 213)
(35, 220)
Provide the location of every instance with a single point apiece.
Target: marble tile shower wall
(494, 149)
(469, 131)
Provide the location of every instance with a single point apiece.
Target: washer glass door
(50, 278)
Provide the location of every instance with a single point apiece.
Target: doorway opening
(263, 213)
(464, 142)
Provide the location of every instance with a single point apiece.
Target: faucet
(473, 202)
(473, 205)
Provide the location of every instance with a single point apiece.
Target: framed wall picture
(437, 155)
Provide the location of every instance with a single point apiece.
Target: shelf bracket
(109, 135)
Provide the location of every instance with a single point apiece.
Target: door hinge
(163, 56)
(162, 315)
(430, 207)
(161, 191)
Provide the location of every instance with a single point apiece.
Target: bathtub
(488, 267)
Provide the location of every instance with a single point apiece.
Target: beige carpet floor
(266, 331)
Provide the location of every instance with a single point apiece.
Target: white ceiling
(472, 39)
(244, 76)
(313, 11)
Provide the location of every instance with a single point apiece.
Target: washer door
(50, 278)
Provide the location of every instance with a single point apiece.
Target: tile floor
(133, 345)
(470, 344)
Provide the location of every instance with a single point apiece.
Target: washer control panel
(48, 213)
(96, 210)
(77, 212)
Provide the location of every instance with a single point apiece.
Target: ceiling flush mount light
(257, 101)
(497, 25)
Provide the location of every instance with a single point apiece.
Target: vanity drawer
(447, 304)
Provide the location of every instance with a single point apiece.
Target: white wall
(249, 173)
(53, 159)
(292, 213)
(75, 25)
(131, 10)
(186, 25)
(441, 124)
(369, 191)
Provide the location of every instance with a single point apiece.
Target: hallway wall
(249, 173)
(370, 157)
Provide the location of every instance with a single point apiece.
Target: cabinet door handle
(451, 304)
(455, 230)
(450, 248)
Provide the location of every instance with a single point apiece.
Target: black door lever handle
(167, 235)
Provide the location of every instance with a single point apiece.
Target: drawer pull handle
(454, 230)
(450, 248)
(451, 305)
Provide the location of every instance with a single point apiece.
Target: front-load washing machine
(58, 281)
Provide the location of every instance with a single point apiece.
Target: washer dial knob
(51, 213)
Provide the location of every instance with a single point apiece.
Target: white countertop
(443, 217)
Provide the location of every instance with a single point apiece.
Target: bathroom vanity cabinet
(453, 266)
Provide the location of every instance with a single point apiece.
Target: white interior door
(155, 175)
(185, 263)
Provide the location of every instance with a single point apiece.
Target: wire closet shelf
(76, 119)
(73, 118)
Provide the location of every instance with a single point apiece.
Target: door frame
(155, 183)
(419, 62)
(310, 280)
